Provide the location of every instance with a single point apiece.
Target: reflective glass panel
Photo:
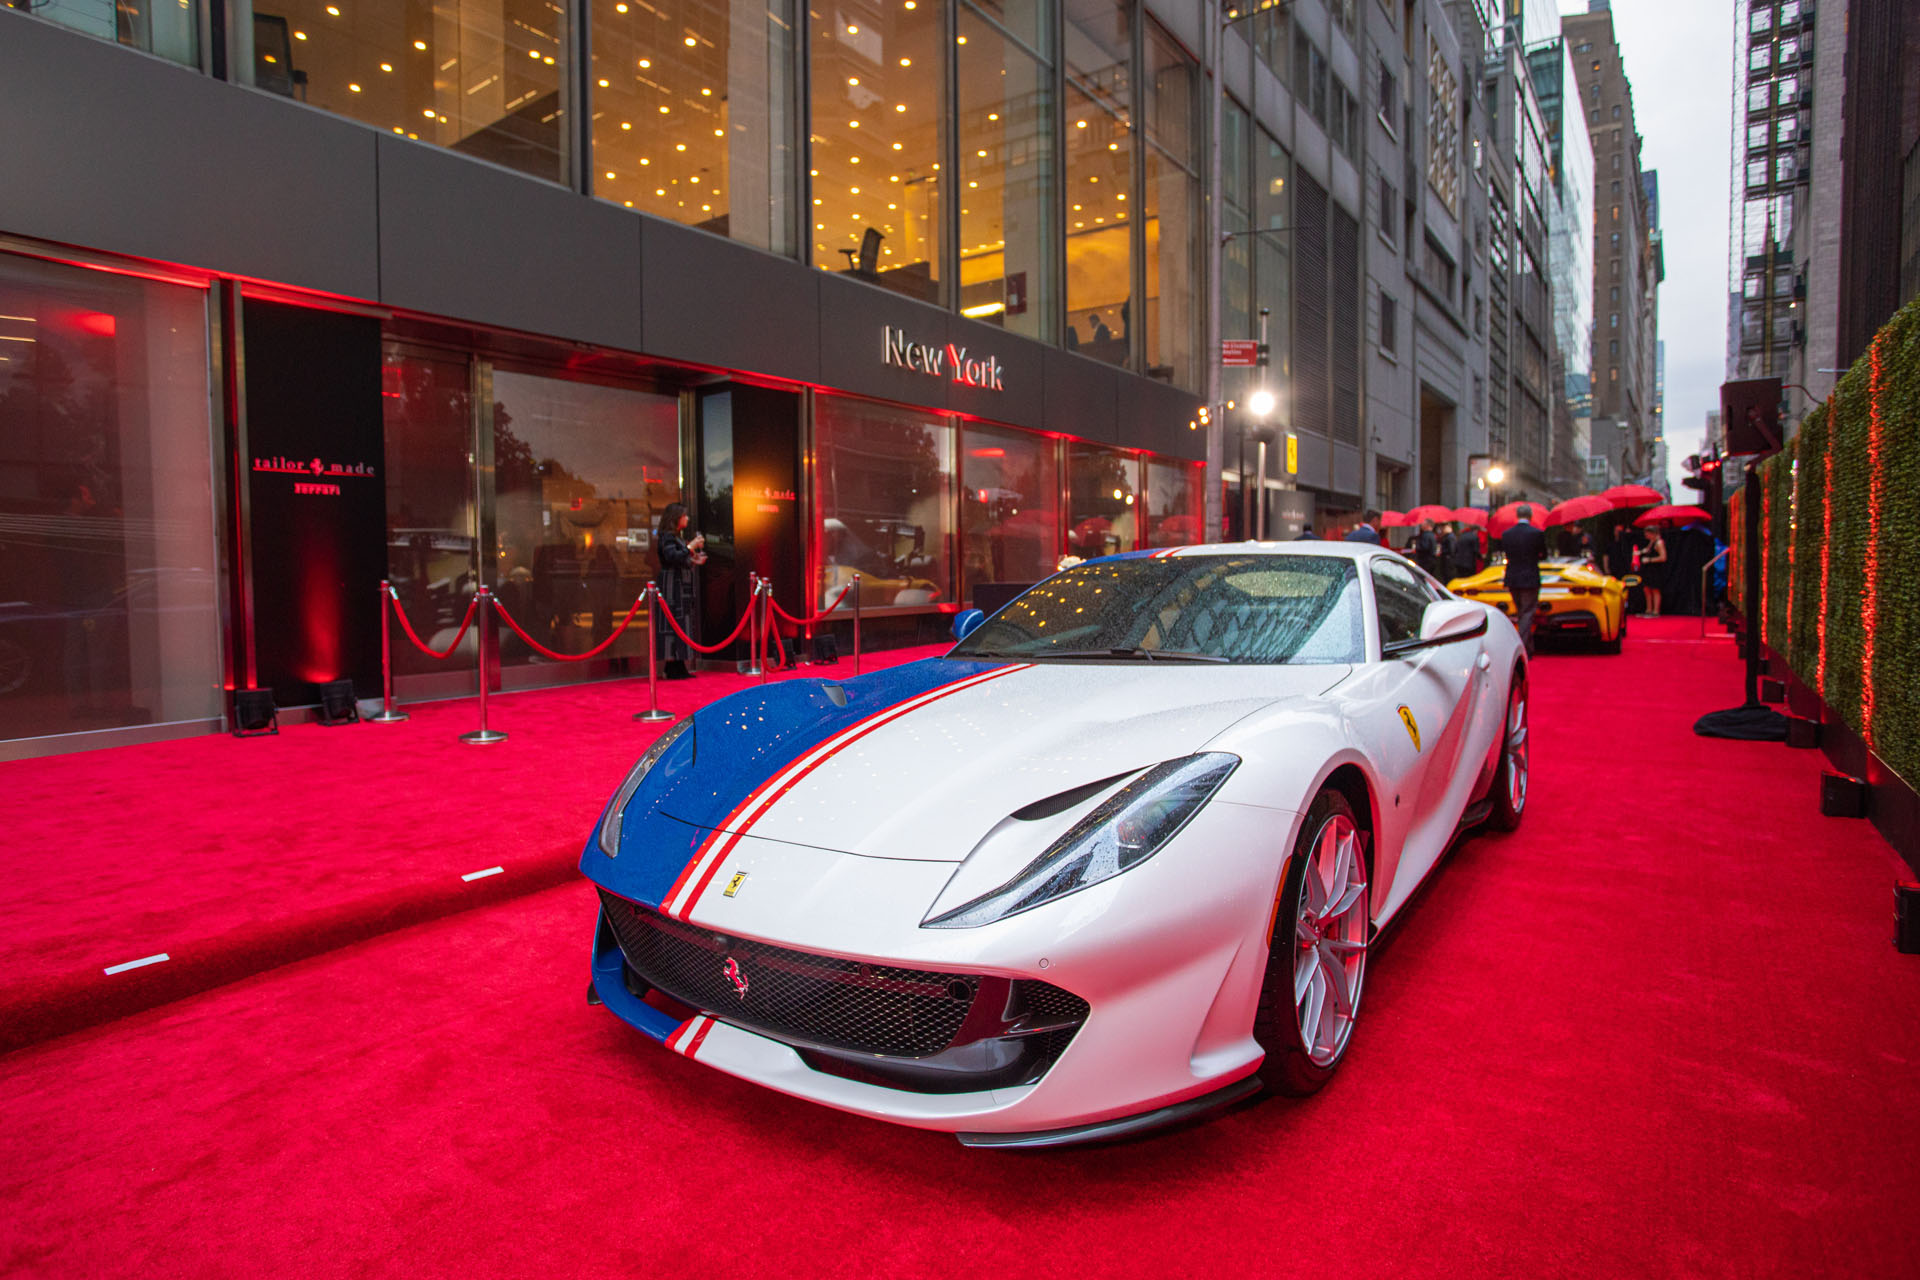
(484, 79)
(1009, 506)
(883, 475)
(693, 114)
(1174, 503)
(1103, 488)
(1173, 223)
(875, 160)
(109, 599)
(169, 28)
(1008, 175)
(432, 562)
(581, 475)
(1099, 129)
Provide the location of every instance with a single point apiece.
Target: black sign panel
(318, 498)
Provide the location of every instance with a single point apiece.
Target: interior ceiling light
(386, 66)
(853, 79)
(896, 146)
(609, 175)
(993, 115)
(852, 30)
(900, 106)
(628, 124)
(963, 39)
(659, 191)
(906, 62)
(645, 63)
(691, 42)
(603, 84)
(981, 154)
(853, 124)
(663, 109)
(353, 88)
(428, 113)
(706, 93)
(1079, 124)
(534, 54)
(333, 11)
(301, 35)
(855, 190)
(678, 146)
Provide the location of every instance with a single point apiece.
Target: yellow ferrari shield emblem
(1406, 718)
(733, 886)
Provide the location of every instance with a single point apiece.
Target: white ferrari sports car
(1115, 859)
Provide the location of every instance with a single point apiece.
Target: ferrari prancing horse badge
(1413, 727)
(733, 886)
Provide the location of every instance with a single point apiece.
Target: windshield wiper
(1151, 655)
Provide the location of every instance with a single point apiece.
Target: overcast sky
(1679, 56)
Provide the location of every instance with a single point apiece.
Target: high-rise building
(1569, 256)
(1626, 258)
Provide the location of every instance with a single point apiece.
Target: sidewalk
(231, 856)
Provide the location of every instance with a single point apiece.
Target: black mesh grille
(822, 1000)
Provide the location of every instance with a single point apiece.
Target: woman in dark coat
(678, 557)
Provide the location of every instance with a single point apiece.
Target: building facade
(1569, 258)
(457, 296)
(1627, 263)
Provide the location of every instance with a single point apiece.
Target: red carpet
(1660, 1031)
(234, 855)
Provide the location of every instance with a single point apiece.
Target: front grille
(816, 999)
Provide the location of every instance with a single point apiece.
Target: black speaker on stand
(336, 703)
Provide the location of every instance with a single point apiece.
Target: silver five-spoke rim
(1331, 940)
(1517, 749)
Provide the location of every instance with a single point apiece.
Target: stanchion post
(766, 625)
(753, 625)
(653, 713)
(856, 624)
(489, 637)
(388, 601)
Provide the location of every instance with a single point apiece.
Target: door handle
(1485, 662)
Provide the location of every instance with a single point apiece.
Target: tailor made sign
(949, 361)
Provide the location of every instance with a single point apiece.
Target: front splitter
(1124, 1126)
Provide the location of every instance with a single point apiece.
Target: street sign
(1239, 353)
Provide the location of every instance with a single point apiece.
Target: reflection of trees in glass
(513, 464)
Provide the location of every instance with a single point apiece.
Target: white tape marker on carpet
(136, 964)
(482, 875)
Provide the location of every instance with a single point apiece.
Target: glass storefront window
(692, 115)
(581, 474)
(487, 80)
(1009, 506)
(1007, 166)
(109, 617)
(1099, 129)
(169, 28)
(1272, 256)
(883, 477)
(1103, 488)
(432, 562)
(1173, 211)
(1175, 514)
(878, 107)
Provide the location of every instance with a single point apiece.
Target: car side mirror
(966, 622)
(1444, 622)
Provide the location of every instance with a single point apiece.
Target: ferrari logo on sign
(1413, 726)
(737, 978)
(733, 886)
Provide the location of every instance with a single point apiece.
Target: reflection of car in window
(892, 576)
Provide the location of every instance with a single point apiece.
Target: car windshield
(1207, 608)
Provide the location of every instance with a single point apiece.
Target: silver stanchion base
(652, 717)
(388, 717)
(483, 737)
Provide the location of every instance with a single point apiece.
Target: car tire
(1613, 646)
(1510, 779)
(1317, 952)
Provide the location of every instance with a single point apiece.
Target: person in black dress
(1653, 568)
(678, 558)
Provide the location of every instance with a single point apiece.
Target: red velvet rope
(691, 643)
(472, 604)
(818, 617)
(594, 652)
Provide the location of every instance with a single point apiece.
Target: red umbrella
(1673, 515)
(1395, 520)
(1508, 516)
(1431, 511)
(1471, 515)
(1581, 508)
(1632, 495)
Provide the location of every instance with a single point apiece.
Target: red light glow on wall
(1826, 555)
(989, 452)
(1876, 496)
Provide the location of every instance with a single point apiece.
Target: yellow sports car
(1576, 598)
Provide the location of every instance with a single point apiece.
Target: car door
(1424, 707)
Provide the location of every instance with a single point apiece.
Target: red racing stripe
(713, 851)
(699, 1037)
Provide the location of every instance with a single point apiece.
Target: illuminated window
(169, 28)
(876, 167)
(1099, 129)
(1009, 506)
(883, 476)
(486, 88)
(707, 88)
(1104, 490)
(1008, 222)
(1173, 222)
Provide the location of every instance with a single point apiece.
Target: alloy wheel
(1517, 750)
(1330, 934)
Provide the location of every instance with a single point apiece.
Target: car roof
(1304, 547)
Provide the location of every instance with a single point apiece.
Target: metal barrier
(1705, 571)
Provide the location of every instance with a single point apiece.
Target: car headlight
(610, 825)
(1126, 829)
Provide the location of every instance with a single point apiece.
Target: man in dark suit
(1524, 546)
(1366, 531)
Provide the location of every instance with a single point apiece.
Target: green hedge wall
(1859, 455)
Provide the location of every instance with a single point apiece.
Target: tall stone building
(1626, 258)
